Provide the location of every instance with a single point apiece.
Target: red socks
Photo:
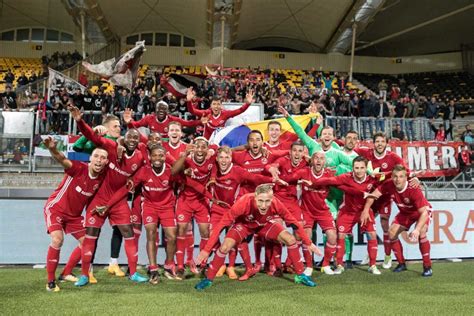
(216, 264)
(340, 250)
(425, 251)
(257, 245)
(245, 254)
(372, 250)
(52, 260)
(136, 235)
(180, 248)
(276, 254)
(398, 251)
(232, 257)
(308, 256)
(295, 257)
(190, 246)
(88, 248)
(74, 258)
(329, 251)
(387, 245)
(132, 254)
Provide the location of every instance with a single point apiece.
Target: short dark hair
(254, 131)
(297, 143)
(359, 159)
(157, 147)
(273, 122)
(352, 132)
(379, 134)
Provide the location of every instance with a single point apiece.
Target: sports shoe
(115, 269)
(52, 287)
(70, 277)
(387, 262)
(348, 265)
(92, 279)
(327, 270)
(192, 267)
(339, 269)
(170, 274)
(365, 261)
(374, 270)
(308, 271)
(137, 277)
(257, 266)
(304, 279)
(154, 277)
(248, 274)
(203, 284)
(180, 274)
(400, 267)
(230, 271)
(427, 272)
(278, 273)
(221, 271)
(83, 280)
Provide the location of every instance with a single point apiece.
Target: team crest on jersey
(134, 167)
(406, 200)
(369, 186)
(59, 219)
(228, 181)
(166, 129)
(209, 166)
(96, 186)
(269, 218)
(165, 182)
(384, 165)
(341, 228)
(92, 220)
(149, 219)
(249, 217)
(264, 160)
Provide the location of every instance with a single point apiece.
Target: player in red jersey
(255, 213)
(382, 160)
(63, 210)
(254, 161)
(351, 209)
(190, 203)
(315, 209)
(216, 115)
(175, 146)
(158, 121)
(119, 215)
(283, 167)
(225, 184)
(274, 132)
(414, 209)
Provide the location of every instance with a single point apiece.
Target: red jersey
(245, 212)
(75, 190)
(227, 184)
(252, 164)
(175, 151)
(386, 163)
(352, 202)
(200, 173)
(312, 198)
(161, 127)
(409, 200)
(279, 146)
(119, 171)
(216, 122)
(286, 168)
(157, 190)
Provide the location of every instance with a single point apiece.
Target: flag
(179, 84)
(57, 80)
(236, 135)
(122, 70)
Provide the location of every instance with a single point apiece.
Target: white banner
(61, 145)
(57, 80)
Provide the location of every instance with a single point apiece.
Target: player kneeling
(414, 208)
(255, 214)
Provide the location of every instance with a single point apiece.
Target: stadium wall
(36, 50)
(23, 238)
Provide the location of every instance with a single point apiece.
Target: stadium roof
(390, 28)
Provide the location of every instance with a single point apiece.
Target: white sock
(91, 268)
(113, 261)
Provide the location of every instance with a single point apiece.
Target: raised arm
(190, 105)
(308, 141)
(50, 143)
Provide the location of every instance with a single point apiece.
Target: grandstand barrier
(451, 234)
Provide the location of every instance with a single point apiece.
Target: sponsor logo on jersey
(115, 168)
(150, 180)
(79, 190)
(246, 163)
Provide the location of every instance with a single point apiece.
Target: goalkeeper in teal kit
(336, 158)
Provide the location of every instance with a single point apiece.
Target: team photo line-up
(253, 193)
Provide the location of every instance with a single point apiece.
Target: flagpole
(222, 40)
(83, 31)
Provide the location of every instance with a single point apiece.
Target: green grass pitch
(449, 292)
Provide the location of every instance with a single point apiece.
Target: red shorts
(345, 222)
(406, 220)
(118, 215)
(163, 217)
(384, 208)
(269, 231)
(217, 212)
(326, 222)
(187, 209)
(137, 208)
(73, 225)
(296, 211)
